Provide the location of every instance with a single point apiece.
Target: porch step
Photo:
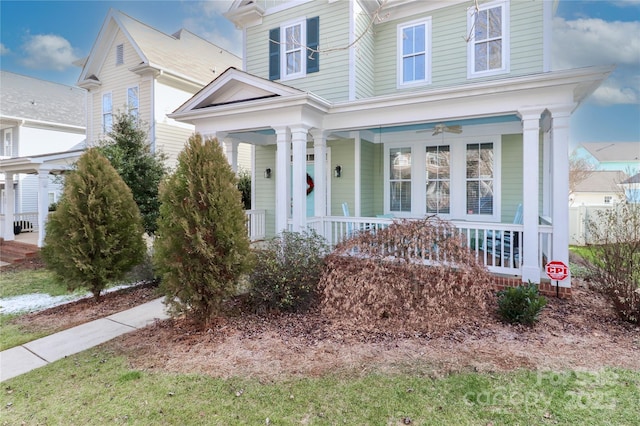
(16, 252)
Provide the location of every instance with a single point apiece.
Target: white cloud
(212, 7)
(48, 51)
(4, 50)
(588, 42)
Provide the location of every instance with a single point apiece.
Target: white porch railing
(28, 222)
(256, 224)
(496, 245)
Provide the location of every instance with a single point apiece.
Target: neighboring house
(622, 156)
(37, 118)
(403, 117)
(631, 188)
(600, 188)
(134, 67)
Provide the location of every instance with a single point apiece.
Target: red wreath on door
(310, 184)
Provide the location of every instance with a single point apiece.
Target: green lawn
(98, 387)
(15, 283)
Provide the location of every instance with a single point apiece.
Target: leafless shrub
(613, 239)
(412, 276)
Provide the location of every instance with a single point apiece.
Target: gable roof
(235, 86)
(182, 54)
(632, 180)
(45, 102)
(614, 151)
(602, 181)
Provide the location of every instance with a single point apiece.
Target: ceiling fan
(441, 128)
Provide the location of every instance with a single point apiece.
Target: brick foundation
(546, 288)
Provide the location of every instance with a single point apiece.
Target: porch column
(9, 208)
(357, 155)
(283, 155)
(231, 151)
(320, 172)
(547, 185)
(299, 176)
(560, 197)
(530, 193)
(43, 204)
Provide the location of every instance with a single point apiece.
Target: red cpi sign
(557, 270)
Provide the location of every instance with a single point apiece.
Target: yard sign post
(558, 271)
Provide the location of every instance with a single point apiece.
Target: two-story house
(41, 124)
(364, 110)
(135, 68)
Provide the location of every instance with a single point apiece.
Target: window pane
(419, 38)
(408, 69)
(480, 56)
(472, 161)
(106, 102)
(400, 196)
(407, 41)
(480, 32)
(495, 54)
(472, 197)
(293, 62)
(486, 197)
(400, 163)
(495, 22)
(419, 68)
(480, 178)
(293, 40)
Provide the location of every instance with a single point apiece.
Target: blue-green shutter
(313, 40)
(274, 54)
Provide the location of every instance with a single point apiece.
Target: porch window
(107, 112)
(400, 179)
(488, 49)
(480, 179)
(133, 101)
(438, 175)
(413, 52)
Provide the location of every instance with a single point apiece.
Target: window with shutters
(293, 49)
(120, 54)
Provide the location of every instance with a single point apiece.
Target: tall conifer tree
(95, 234)
(201, 245)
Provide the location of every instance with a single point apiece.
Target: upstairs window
(132, 101)
(488, 47)
(107, 112)
(120, 54)
(414, 52)
(293, 49)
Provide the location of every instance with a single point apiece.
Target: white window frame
(505, 38)
(457, 178)
(302, 22)
(400, 54)
(137, 109)
(7, 143)
(105, 113)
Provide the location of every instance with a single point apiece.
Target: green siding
(342, 188)
(265, 189)
(364, 53)
(449, 48)
(511, 176)
(332, 81)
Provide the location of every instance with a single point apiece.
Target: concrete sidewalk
(21, 359)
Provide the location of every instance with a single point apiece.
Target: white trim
(505, 38)
(283, 6)
(427, 59)
(302, 22)
(244, 49)
(357, 162)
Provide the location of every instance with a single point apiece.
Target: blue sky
(42, 38)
